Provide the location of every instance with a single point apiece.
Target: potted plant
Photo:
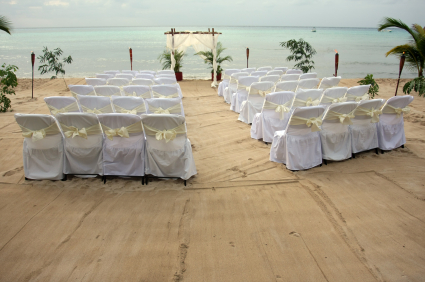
(165, 60)
(209, 60)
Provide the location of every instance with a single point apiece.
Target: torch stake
(402, 59)
(336, 63)
(131, 58)
(32, 63)
(247, 57)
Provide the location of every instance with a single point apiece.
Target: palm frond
(5, 25)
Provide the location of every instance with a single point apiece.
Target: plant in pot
(208, 59)
(165, 60)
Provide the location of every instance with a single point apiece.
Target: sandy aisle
(242, 218)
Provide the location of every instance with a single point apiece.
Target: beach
(241, 218)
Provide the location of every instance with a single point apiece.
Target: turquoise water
(362, 50)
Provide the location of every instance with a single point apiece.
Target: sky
(171, 13)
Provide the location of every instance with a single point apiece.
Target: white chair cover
(128, 76)
(165, 80)
(258, 73)
(81, 90)
(268, 68)
(118, 81)
(173, 106)
(128, 105)
(308, 83)
(82, 143)
(104, 75)
(134, 73)
(124, 145)
(255, 100)
(391, 124)
(248, 70)
(168, 150)
(166, 72)
(299, 145)
(294, 71)
(272, 78)
(143, 91)
(107, 90)
(166, 76)
(60, 104)
(225, 82)
(95, 81)
(142, 81)
(290, 85)
(113, 72)
(165, 91)
(335, 134)
(289, 77)
(95, 104)
(333, 95)
(307, 98)
(284, 69)
(43, 146)
(308, 75)
(231, 88)
(358, 93)
(145, 75)
(364, 135)
(276, 72)
(241, 94)
(273, 117)
(148, 71)
(328, 82)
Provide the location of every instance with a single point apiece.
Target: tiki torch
(402, 59)
(247, 56)
(336, 62)
(131, 58)
(32, 63)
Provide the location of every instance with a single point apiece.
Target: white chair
(104, 75)
(123, 146)
(148, 71)
(134, 73)
(308, 75)
(107, 90)
(60, 104)
(231, 88)
(307, 98)
(43, 146)
(308, 83)
(329, 82)
(273, 117)
(258, 73)
(165, 80)
(95, 104)
(248, 70)
(82, 143)
(225, 82)
(290, 85)
(335, 134)
(81, 90)
(391, 124)
(113, 72)
(333, 95)
(289, 77)
(358, 93)
(299, 145)
(95, 81)
(272, 78)
(364, 134)
(294, 71)
(143, 91)
(145, 75)
(128, 105)
(166, 75)
(128, 76)
(171, 106)
(165, 91)
(244, 82)
(168, 150)
(142, 81)
(166, 72)
(268, 68)
(275, 72)
(255, 100)
(284, 69)
(118, 81)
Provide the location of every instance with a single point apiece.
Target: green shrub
(51, 62)
(301, 51)
(417, 84)
(374, 87)
(7, 83)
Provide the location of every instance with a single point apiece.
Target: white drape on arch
(199, 42)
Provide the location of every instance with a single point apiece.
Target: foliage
(417, 84)
(165, 60)
(301, 51)
(209, 58)
(7, 83)
(5, 24)
(374, 87)
(414, 50)
(50, 61)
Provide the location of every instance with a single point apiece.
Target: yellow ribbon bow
(282, 109)
(73, 131)
(58, 111)
(35, 135)
(162, 111)
(314, 123)
(309, 102)
(339, 100)
(364, 97)
(346, 118)
(167, 135)
(399, 111)
(123, 132)
(374, 114)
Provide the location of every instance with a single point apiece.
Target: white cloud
(56, 3)
(12, 3)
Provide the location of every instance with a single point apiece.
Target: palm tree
(414, 50)
(209, 58)
(5, 24)
(165, 60)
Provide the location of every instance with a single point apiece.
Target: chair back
(113, 72)
(277, 105)
(258, 91)
(166, 72)
(358, 93)
(81, 90)
(166, 76)
(35, 121)
(134, 73)
(308, 83)
(245, 82)
(275, 72)
(228, 72)
(394, 109)
(165, 91)
(284, 69)
(258, 73)
(148, 71)
(128, 105)
(118, 81)
(248, 70)
(368, 111)
(128, 76)
(301, 126)
(61, 104)
(80, 120)
(95, 81)
(143, 91)
(107, 90)
(165, 80)
(329, 82)
(104, 75)
(290, 85)
(234, 79)
(333, 95)
(164, 106)
(142, 81)
(266, 69)
(272, 78)
(338, 117)
(117, 120)
(289, 77)
(294, 71)
(95, 104)
(144, 75)
(308, 75)
(36, 127)
(307, 98)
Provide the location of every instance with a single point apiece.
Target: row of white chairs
(131, 76)
(134, 81)
(116, 144)
(135, 72)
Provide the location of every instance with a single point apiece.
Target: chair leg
(376, 151)
(64, 178)
(382, 152)
(26, 178)
(325, 162)
(104, 179)
(402, 146)
(147, 180)
(320, 165)
(265, 143)
(353, 156)
(143, 180)
(185, 183)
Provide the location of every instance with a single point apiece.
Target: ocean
(361, 50)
